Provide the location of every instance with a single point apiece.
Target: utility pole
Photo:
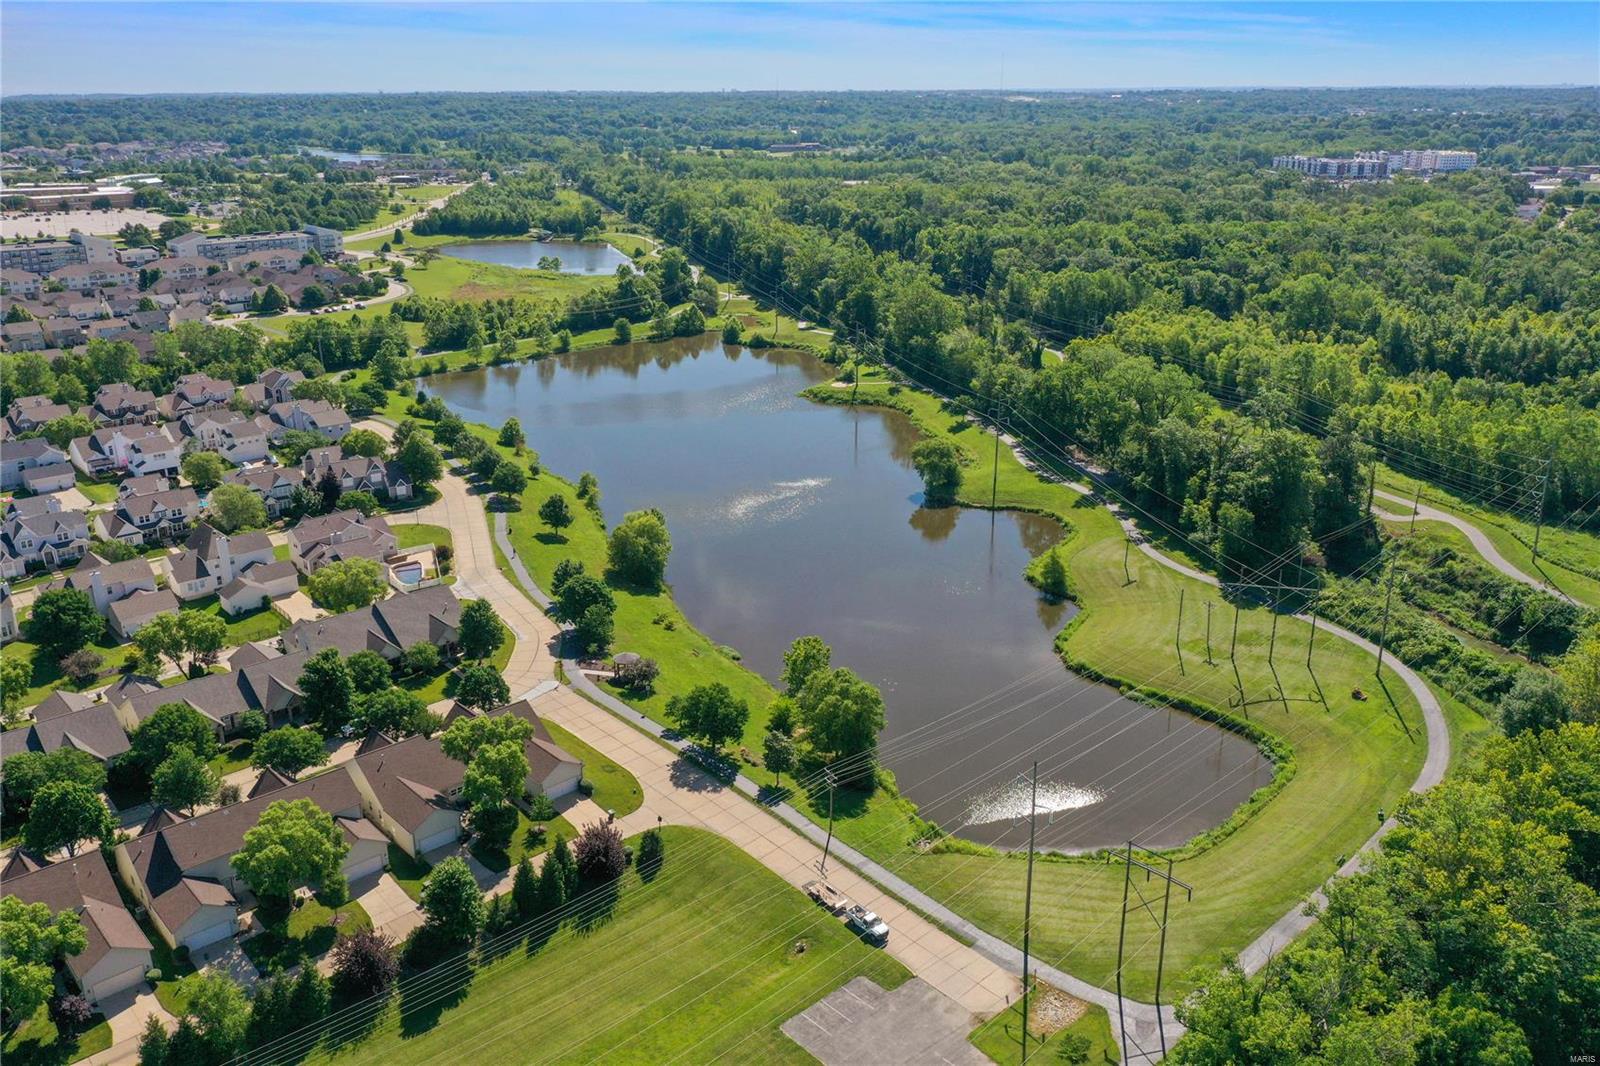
(1316, 602)
(1233, 658)
(994, 480)
(823, 869)
(1177, 634)
(1544, 498)
(1372, 484)
(1027, 904)
(1209, 608)
(1131, 889)
(1416, 501)
(1272, 641)
(1127, 543)
(1383, 633)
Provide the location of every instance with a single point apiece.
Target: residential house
(237, 438)
(20, 456)
(183, 873)
(28, 413)
(93, 728)
(211, 559)
(274, 484)
(87, 277)
(259, 679)
(124, 592)
(254, 585)
(116, 955)
(53, 477)
(383, 478)
(411, 788)
(195, 392)
(151, 518)
(8, 615)
(388, 627)
(143, 485)
(317, 416)
(24, 336)
(315, 542)
(271, 387)
(119, 403)
(64, 331)
(18, 282)
(133, 449)
(41, 537)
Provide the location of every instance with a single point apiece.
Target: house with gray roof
(257, 680)
(316, 416)
(212, 559)
(388, 627)
(195, 392)
(116, 955)
(28, 413)
(20, 456)
(385, 479)
(48, 536)
(118, 403)
(183, 874)
(94, 729)
(315, 542)
(150, 518)
(274, 484)
(132, 449)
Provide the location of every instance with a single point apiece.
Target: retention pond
(790, 517)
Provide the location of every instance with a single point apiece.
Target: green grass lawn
(699, 964)
(98, 491)
(462, 279)
(303, 933)
(47, 675)
(1000, 1037)
(244, 628)
(411, 534)
(233, 757)
(37, 1042)
(169, 989)
(526, 840)
(1569, 559)
(408, 872)
(434, 689)
(615, 789)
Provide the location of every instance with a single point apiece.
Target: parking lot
(860, 1024)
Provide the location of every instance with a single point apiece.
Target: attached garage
(442, 838)
(103, 988)
(369, 848)
(208, 934)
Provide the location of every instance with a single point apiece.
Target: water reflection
(577, 257)
(790, 517)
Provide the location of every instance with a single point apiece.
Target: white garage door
(439, 839)
(204, 937)
(365, 867)
(117, 983)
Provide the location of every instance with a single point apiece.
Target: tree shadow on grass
(549, 539)
(426, 995)
(599, 903)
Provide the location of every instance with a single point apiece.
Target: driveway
(127, 1013)
(392, 911)
(297, 607)
(227, 956)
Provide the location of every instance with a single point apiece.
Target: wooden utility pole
(1544, 498)
(1416, 502)
(1383, 632)
(1127, 543)
(1209, 607)
(1316, 602)
(994, 480)
(823, 869)
(1177, 634)
(1153, 868)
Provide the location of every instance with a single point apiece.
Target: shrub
(652, 853)
(364, 963)
(71, 1013)
(599, 853)
(541, 808)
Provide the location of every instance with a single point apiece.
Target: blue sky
(224, 46)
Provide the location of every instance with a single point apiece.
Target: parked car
(867, 925)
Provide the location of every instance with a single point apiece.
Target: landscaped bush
(599, 853)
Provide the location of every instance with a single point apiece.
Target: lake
(577, 257)
(345, 157)
(790, 517)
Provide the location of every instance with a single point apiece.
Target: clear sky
(224, 46)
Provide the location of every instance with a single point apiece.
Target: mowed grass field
(462, 279)
(699, 963)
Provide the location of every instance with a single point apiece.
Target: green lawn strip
(1000, 1037)
(37, 1041)
(245, 628)
(434, 689)
(699, 963)
(1350, 760)
(47, 675)
(232, 758)
(303, 934)
(1569, 559)
(452, 278)
(615, 789)
(162, 958)
(628, 243)
(408, 872)
(530, 838)
(413, 534)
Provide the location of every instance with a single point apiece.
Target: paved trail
(1480, 540)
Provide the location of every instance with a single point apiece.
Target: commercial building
(72, 196)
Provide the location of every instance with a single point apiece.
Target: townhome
(87, 277)
(382, 478)
(134, 449)
(388, 627)
(273, 386)
(124, 592)
(317, 416)
(20, 456)
(64, 331)
(183, 873)
(258, 679)
(238, 438)
(316, 542)
(152, 518)
(274, 484)
(8, 615)
(119, 404)
(17, 282)
(52, 477)
(116, 954)
(87, 727)
(211, 559)
(181, 268)
(46, 538)
(28, 413)
(411, 789)
(24, 336)
(195, 392)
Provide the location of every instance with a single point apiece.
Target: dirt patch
(1051, 1010)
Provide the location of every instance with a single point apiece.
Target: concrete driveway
(227, 956)
(297, 607)
(392, 911)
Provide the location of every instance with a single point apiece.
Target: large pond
(577, 257)
(790, 517)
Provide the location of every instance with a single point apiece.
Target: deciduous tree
(293, 843)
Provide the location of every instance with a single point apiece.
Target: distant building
(1339, 169)
(78, 196)
(44, 257)
(327, 243)
(1432, 159)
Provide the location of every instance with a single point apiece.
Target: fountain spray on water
(1009, 801)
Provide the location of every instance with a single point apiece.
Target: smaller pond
(577, 257)
(344, 157)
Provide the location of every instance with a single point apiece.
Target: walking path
(1480, 540)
